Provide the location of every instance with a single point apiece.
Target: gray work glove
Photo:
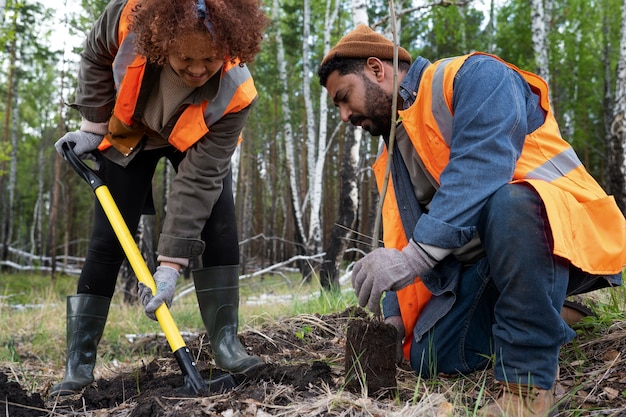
(84, 143)
(388, 270)
(165, 279)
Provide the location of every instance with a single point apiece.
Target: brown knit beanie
(363, 42)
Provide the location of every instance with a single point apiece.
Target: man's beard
(378, 109)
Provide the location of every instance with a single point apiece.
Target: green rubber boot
(86, 317)
(217, 289)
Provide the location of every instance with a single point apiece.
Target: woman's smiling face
(195, 59)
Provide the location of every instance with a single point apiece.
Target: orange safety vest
(236, 92)
(588, 228)
(412, 298)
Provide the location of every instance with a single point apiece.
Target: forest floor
(305, 375)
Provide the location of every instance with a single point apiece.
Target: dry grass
(32, 344)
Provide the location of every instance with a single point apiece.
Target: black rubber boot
(217, 289)
(86, 317)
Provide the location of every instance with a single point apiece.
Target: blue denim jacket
(494, 109)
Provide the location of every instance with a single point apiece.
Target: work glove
(165, 279)
(388, 270)
(84, 143)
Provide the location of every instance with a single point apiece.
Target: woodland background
(305, 193)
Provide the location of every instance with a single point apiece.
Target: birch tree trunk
(316, 144)
(348, 187)
(539, 38)
(617, 134)
(359, 12)
(288, 130)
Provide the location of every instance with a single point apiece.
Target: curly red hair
(236, 26)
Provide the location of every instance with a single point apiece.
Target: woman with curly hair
(164, 78)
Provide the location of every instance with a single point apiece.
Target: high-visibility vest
(587, 226)
(412, 298)
(236, 92)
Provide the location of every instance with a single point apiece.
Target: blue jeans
(507, 305)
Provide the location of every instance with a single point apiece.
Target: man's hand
(84, 143)
(388, 269)
(165, 279)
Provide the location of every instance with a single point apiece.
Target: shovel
(193, 382)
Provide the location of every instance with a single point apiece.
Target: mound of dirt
(155, 388)
(17, 402)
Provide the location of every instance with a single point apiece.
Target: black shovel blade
(218, 383)
(194, 384)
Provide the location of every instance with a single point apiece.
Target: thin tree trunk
(246, 219)
(617, 140)
(359, 12)
(54, 216)
(315, 155)
(36, 228)
(13, 164)
(349, 186)
(277, 199)
(5, 208)
(342, 230)
(56, 189)
(288, 134)
(539, 38)
(392, 132)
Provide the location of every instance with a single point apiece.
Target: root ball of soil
(370, 357)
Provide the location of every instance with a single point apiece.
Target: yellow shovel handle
(138, 264)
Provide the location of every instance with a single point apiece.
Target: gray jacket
(198, 181)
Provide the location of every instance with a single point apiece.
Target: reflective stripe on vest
(552, 169)
(441, 112)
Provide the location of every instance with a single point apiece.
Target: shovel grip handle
(80, 167)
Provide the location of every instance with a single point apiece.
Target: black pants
(131, 188)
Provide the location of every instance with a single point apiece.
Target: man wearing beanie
(490, 220)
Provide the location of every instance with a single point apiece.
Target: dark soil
(15, 400)
(305, 374)
(370, 352)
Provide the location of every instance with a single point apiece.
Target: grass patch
(33, 311)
